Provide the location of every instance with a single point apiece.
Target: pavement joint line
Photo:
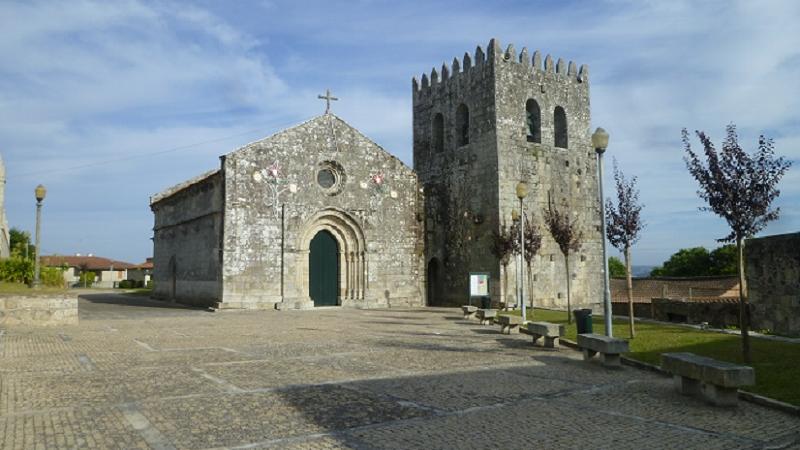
(228, 387)
(146, 430)
(145, 345)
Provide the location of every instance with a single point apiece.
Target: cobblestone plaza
(140, 374)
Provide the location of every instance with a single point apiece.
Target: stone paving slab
(142, 376)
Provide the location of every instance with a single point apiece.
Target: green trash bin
(486, 302)
(583, 320)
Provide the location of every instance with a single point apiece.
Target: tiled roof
(89, 262)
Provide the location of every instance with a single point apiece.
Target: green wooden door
(323, 270)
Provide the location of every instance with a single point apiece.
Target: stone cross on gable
(328, 98)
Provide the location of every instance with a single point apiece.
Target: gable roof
(181, 186)
(89, 262)
(337, 124)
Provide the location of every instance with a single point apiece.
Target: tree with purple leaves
(506, 244)
(624, 223)
(740, 188)
(568, 237)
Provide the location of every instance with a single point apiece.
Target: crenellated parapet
(495, 57)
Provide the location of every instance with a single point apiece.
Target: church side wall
(271, 217)
(459, 182)
(564, 176)
(186, 235)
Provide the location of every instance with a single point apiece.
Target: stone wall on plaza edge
(773, 283)
(38, 310)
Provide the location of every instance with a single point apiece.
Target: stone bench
(609, 348)
(485, 315)
(469, 311)
(716, 381)
(549, 331)
(509, 323)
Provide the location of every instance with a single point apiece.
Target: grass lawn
(24, 289)
(777, 364)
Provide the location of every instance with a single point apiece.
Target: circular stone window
(330, 177)
(326, 178)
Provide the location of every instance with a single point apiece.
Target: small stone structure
(716, 381)
(773, 283)
(38, 310)
(609, 348)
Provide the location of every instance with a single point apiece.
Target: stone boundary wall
(718, 314)
(38, 310)
(773, 283)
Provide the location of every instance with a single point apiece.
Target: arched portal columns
(352, 258)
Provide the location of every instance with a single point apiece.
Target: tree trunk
(504, 284)
(744, 307)
(630, 288)
(569, 306)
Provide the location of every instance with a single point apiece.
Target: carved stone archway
(352, 253)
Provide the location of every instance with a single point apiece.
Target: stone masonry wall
(460, 182)
(38, 310)
(186, 242)
(773, 283)
(275, 205)
(470, 190)
(563, 177)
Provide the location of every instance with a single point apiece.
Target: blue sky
(107, 103)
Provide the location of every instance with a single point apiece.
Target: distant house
(108, 272)
(142, 272)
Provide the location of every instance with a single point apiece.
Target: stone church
(319, 215)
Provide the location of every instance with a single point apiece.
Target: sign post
(478, 285)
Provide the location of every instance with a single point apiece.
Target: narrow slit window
(462, 125)
(533, 117)
(560, 127)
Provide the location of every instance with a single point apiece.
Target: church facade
(316, 215)
(319, 215)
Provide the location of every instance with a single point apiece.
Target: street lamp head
(514, 215)
(40, 193)
(600, 140)
(522, 190)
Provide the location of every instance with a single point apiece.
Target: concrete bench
(485, 315)
(549, 331)
(469, 311)
(716, 381)
(509, 323)
(609, 348)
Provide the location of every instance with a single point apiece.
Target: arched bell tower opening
(332, 257)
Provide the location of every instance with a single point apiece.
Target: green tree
(723, 260)
(686, 262)
(20, 243)
(616, 268)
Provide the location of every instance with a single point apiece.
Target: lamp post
(514, 219)
(522, 192)
(40, 193)
(600, 143)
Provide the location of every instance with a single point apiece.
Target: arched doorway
(434, 283)
(323, 269)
